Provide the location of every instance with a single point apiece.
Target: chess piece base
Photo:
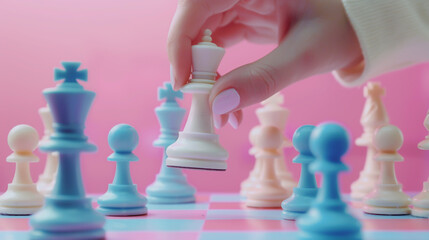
(21, 199)
(125, 211)
(309, 236)
(18, 211)
(329, 224)
(291, 215)
(122, 200)
(386, 210)
(197, 151)
(70, 235)
(82, 222)
(170, 190)
(421, 202)
(298, 203)
(420, 212)
(364, 185)
(269, 194)
(387, 199)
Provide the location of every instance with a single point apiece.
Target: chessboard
(225, 216)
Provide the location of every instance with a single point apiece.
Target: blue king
(68, 213)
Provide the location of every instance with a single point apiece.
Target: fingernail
(217, 120)
(173, 81)
(226, 101)
(233, 121)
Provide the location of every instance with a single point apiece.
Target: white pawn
(387, 197)
(251, 180)
(22, 197)
(46, 180)
(421, 201)
(267, 191)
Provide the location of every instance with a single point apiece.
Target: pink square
(412, 224)
(203, 198)
(14, 224)
(248, 225)
(152, 235)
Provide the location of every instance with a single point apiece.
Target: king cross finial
(70, 74)
(168, 93)
(275, 100)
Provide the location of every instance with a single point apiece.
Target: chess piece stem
(122, 174)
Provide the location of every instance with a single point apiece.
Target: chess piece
(197, 145)
(267, 191)
(273, 114)
(21, 197)
(170, 186)
(327, 217)
(306, 191)
(373, 116)
(46, 180)
(421, 201)
(253, 175)
(68, 213)
(122, 197)
(387, 198)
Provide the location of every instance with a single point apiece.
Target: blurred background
(123, 45)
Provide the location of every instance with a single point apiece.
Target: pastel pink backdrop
(123, 45)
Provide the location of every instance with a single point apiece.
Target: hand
(313, 37)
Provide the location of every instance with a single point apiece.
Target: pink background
(123, 44)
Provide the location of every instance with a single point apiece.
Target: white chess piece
(273, 114)
(267, 191)
(47, 178)
(197, 145)
(387, 198)
(373, 116)
(251, 180)
(22, 197)
(421, 201)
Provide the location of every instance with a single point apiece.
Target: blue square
(123, 224)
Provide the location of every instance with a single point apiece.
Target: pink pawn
(267, 191)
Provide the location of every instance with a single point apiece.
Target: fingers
(187, 22)
(235, 119)
(293, 59)
(220, 120)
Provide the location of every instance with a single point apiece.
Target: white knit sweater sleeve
(393, 34)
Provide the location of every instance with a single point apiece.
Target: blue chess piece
(122, 197)
(170, 186)
(306, 191)
(328, 219)
(68, 213)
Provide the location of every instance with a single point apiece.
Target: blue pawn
(122, 197)
(170, 186)
(68, 213)
(306, 191)
(328, 218)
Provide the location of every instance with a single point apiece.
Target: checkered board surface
(224, 216)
